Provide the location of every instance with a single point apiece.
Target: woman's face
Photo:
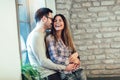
(58, 23)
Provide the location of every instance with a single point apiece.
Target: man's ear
(44, 18)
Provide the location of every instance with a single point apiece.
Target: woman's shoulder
(50, 37)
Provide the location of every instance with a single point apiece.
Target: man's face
(48, 23)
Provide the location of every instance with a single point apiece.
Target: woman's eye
(61, 20)
(55, 20)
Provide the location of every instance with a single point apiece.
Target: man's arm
(38, 48)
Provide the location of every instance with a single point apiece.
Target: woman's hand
(73, 57)
(77, 61)
(76, 64)
(74, 54)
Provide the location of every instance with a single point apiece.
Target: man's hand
(69, 67)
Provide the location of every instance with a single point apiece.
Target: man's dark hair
(42, 12)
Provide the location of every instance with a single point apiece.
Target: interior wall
(9, 47)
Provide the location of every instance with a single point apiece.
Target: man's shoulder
(35, 36)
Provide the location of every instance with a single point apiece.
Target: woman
(62, 50)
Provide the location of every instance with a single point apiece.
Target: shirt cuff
(67, 61)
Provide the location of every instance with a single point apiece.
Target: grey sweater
(37, 55)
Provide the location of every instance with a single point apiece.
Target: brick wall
(95, 26)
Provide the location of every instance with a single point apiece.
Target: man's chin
(50, 27)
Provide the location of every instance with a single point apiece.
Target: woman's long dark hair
(66, 35)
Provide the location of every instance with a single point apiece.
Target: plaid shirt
(58, 52)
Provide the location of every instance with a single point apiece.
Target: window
(24, 27)
(26, 10)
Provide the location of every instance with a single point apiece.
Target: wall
(95, 26)
(9, 46)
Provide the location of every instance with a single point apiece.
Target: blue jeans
(76, 75)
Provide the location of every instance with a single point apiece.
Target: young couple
(54, 54)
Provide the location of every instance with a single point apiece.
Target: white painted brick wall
(95, 26)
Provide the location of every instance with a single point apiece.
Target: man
(36, 47)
